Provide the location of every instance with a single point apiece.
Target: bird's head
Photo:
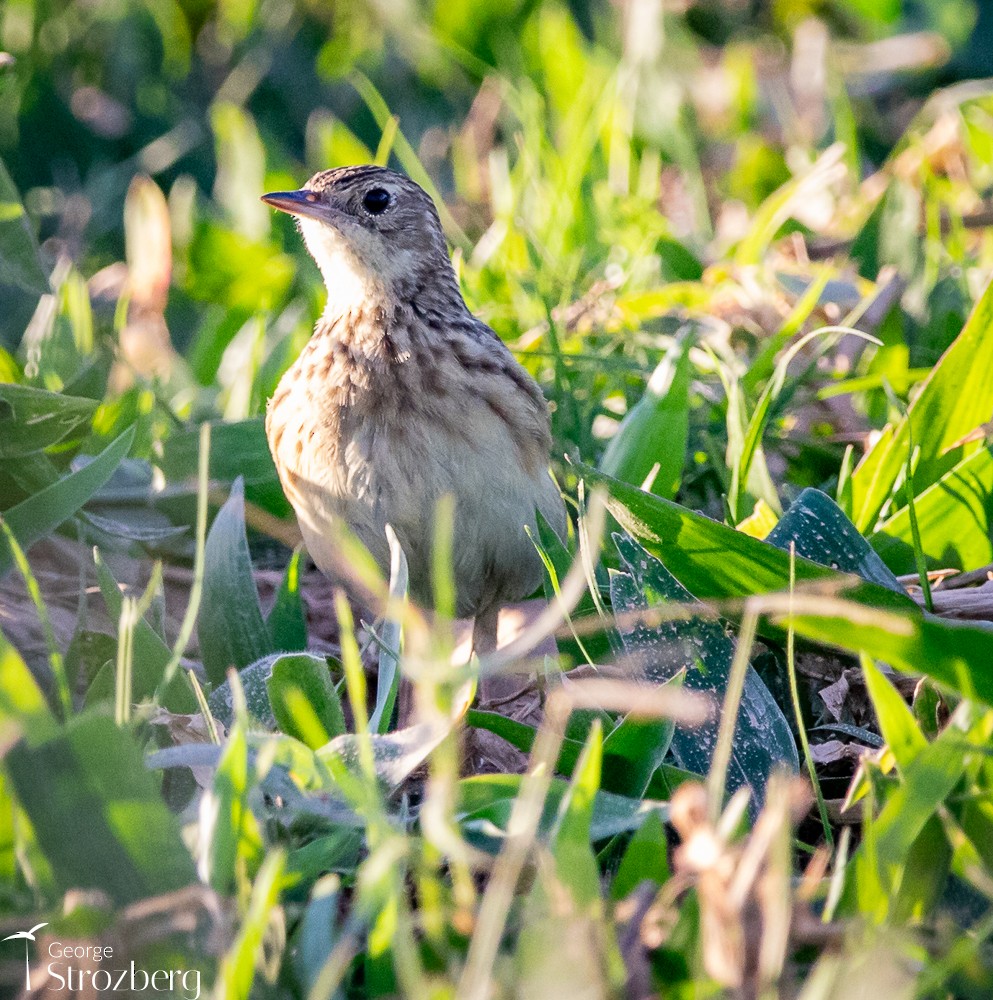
(374, 234)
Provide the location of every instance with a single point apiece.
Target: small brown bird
(403, 396)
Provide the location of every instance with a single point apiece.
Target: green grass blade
(956, 398)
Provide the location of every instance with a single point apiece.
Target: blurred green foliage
(717, 192)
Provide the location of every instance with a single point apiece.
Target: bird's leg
(498, 688)
(484, 630)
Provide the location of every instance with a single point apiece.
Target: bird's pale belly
(372, 473)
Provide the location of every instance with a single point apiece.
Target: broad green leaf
(655, 430)
(955, 517)
(701, 648)
(925, 873)
(90, 382)
(32, 474)
(231, 629)
(97, 812)
(34, 419)
(952, 653)
(303, 698)
(303, 773)
(712, 560)
(337, 851)
(20, 262)
(236, 449)
(956, 398)
(87, 654)
(666, 780)
(822, 533)
(975, 817)
(254, 681)
(37, 516)
(318, 931)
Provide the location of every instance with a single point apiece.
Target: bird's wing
(37, 927)
(11, 937)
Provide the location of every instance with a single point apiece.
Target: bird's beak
(297, 203)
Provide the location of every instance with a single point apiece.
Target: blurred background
(217, 98)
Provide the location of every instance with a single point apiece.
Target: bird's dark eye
(376, 200)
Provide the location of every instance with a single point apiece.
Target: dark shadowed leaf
(823, 534)
(646, 857)
(702, 648)
(632, 752)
